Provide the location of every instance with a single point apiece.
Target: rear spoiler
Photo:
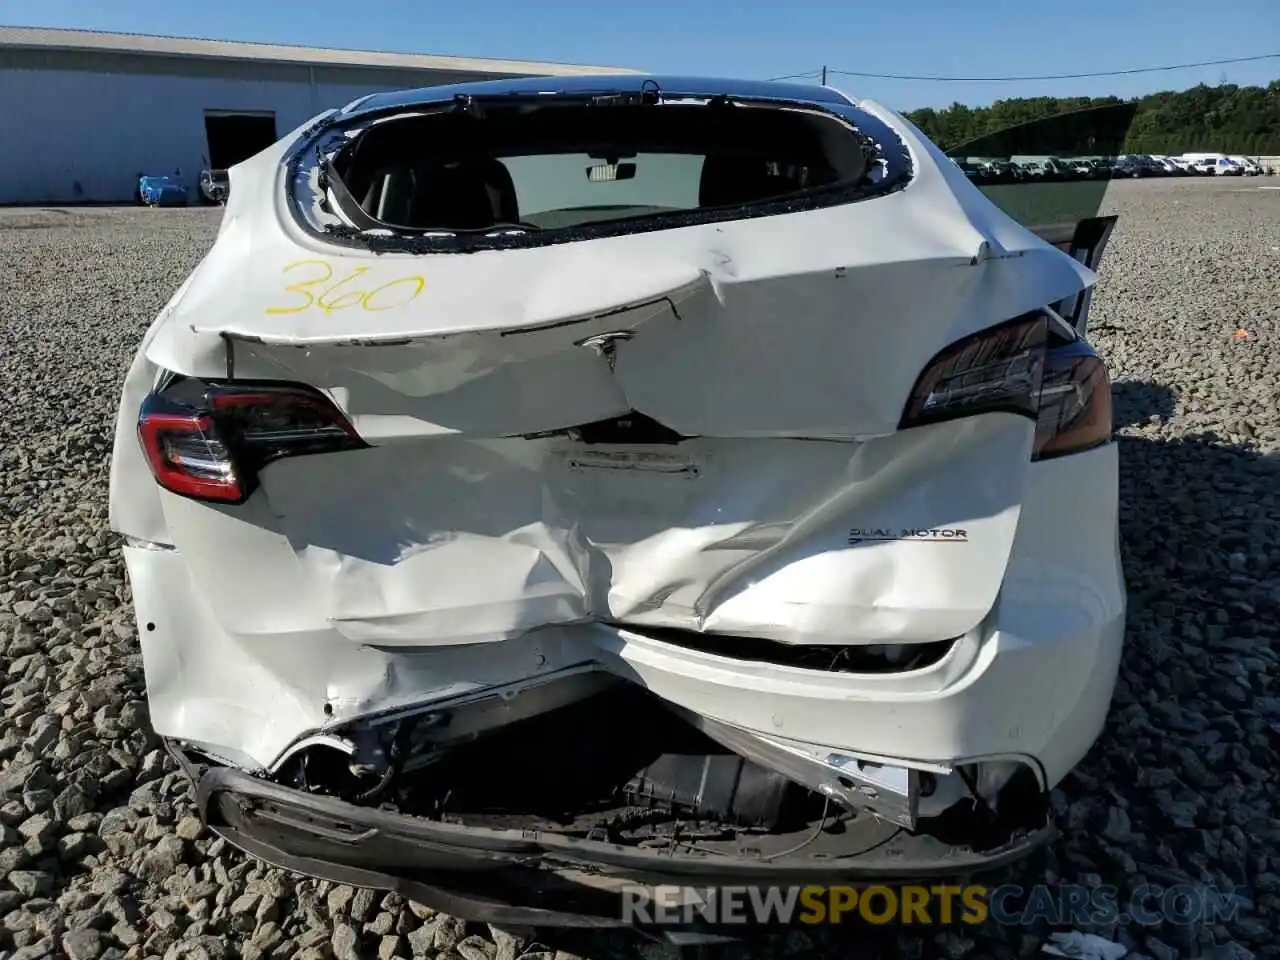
(1085, 241)
(1071, 236)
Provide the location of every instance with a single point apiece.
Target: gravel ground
(100, 854)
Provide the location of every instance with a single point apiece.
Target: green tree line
(1226, 118)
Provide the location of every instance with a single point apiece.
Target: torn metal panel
(470, 383)
(251, 695)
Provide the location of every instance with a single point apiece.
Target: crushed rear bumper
(529, 877)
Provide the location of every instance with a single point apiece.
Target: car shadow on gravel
(1177, 791)
(1136, 402)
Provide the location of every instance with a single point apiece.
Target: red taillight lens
(1012, 368)
(1075, 403)
(209, 440)
(187, 456)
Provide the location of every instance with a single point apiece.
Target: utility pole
(824, 74)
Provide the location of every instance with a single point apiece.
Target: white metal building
(83, 114)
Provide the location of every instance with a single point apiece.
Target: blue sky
(754, 38)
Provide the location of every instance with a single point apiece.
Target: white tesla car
(546, 484)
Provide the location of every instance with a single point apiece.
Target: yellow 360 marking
(317, 291)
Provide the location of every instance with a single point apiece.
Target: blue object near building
(162, 192)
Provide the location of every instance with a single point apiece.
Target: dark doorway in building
(237, 136)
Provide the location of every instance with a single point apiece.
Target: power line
(796, 76)
(1060, 76)
(1044, 76)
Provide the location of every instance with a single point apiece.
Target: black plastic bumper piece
(535, 878)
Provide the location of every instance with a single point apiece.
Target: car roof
(602, 84)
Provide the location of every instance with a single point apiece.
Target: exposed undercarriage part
(624, 768)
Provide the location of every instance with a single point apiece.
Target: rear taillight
(186, 454)
(1013, 368)
(997, 369)
(1075, 402)
(209, 440)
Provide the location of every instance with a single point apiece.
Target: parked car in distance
(1206, 164)
(1083, 167)
(215, 185)
(1130, 165)
(1043, 167)
(1003, 171)
(1248, 167)
(1100, 168)
(974, 171)
(162, 191)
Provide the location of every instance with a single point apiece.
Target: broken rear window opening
(524, 171)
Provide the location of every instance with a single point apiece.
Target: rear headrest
(501, 189)
(731, 179)
(467, 195)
